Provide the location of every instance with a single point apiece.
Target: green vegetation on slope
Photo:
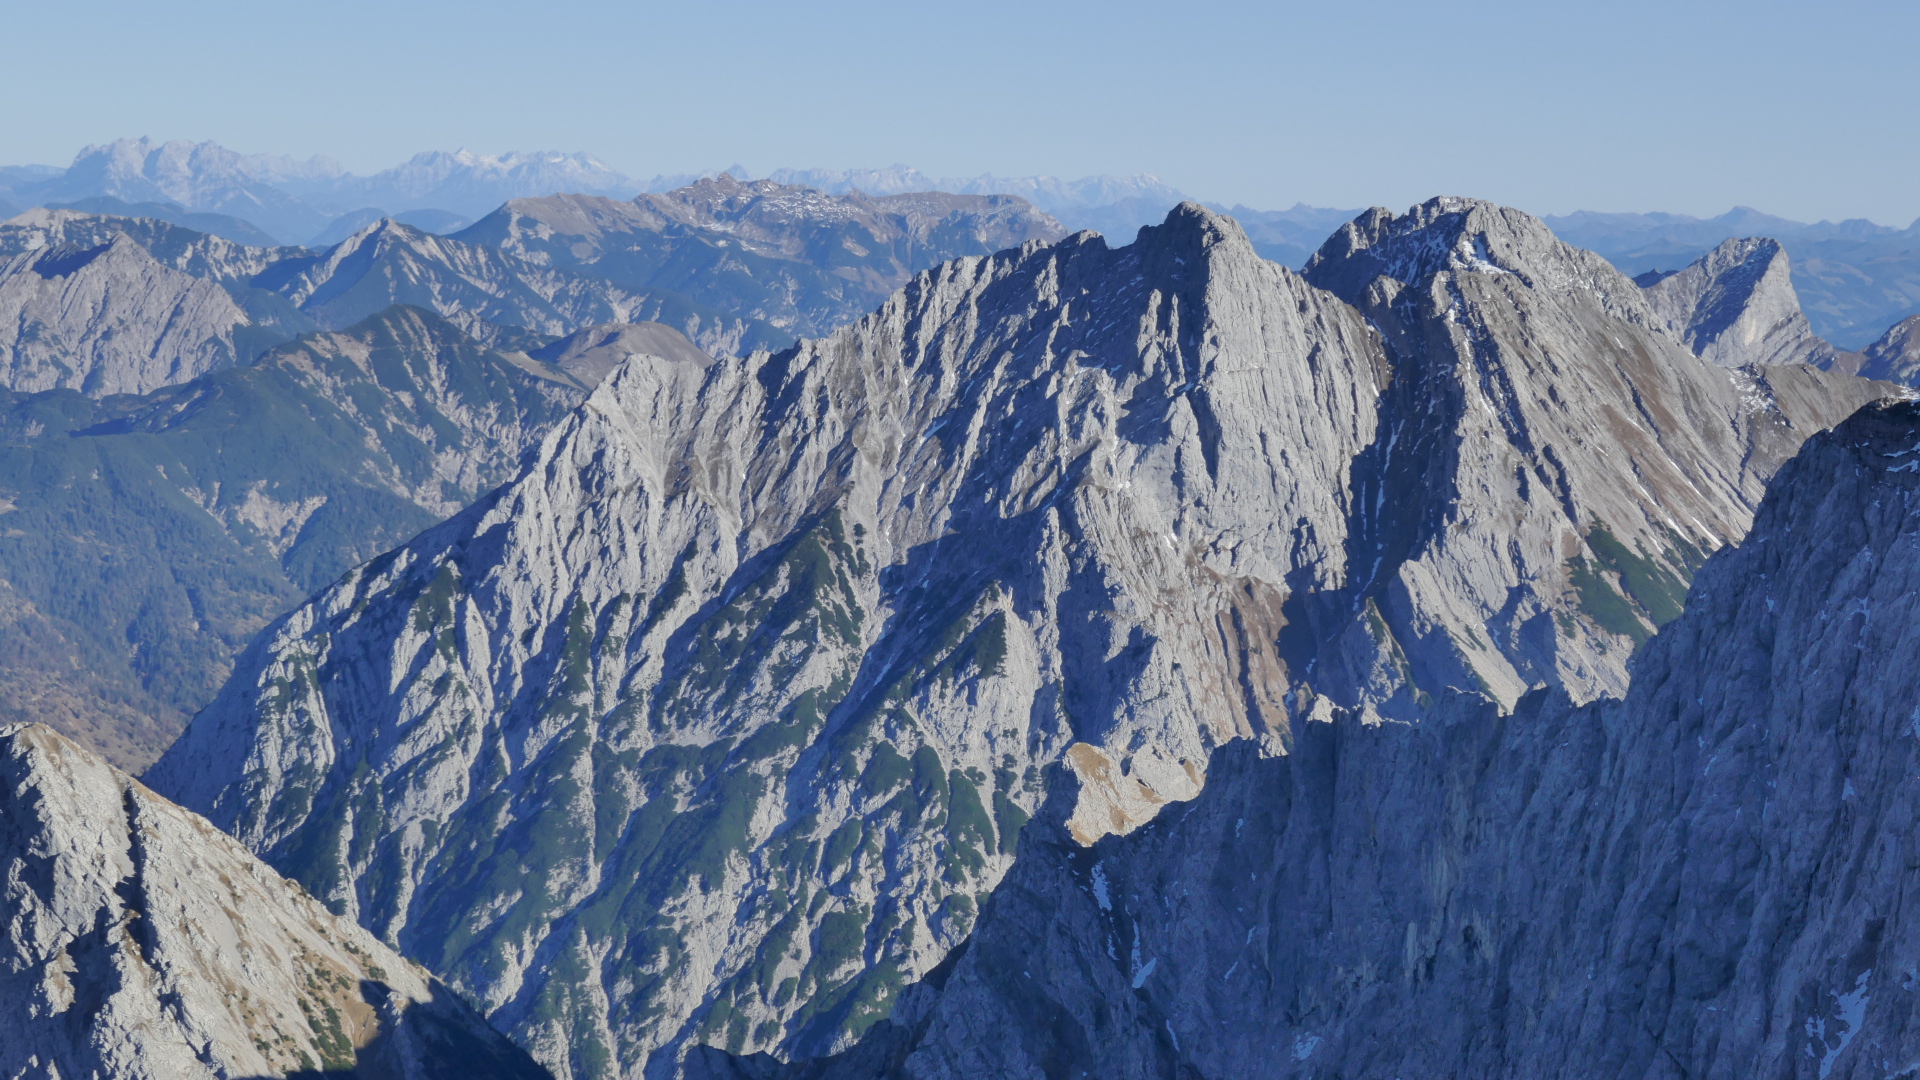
(144, 540)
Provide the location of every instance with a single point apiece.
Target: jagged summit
(1460, 235)
(764, 660)
(1896, 356)
(1736, 305)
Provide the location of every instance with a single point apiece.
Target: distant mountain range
(1069, 656)
(1855, 278)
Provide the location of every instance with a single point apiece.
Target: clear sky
(1807, 110)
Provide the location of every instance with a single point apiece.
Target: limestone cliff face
(1896, 356)
(716, 724)
(142, 942)
(1736, 305)
(109, 319)
(1551, 467)
(1705, 879)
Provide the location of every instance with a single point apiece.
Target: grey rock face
(1552, 465)
(1705, 879)
(481, 288)
(109, 319)
(201, 254)
(714, 725)
(1736, 305)
(794, 257)
(1853, 277)
(1896, 356)
(764, 651)
(142, 942)
(495, 297)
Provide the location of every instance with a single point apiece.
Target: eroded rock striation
(1896, 356)
(717, 723)
(1551, 464)
(110, 319)
(1736, 305)
(133, 304)
(142, 942)
(1706, 878)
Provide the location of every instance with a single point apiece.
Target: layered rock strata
(110, 319)
(1736, 305)
(715, 725)
(1707, 878)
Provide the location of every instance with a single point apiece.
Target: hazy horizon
(1806, 114)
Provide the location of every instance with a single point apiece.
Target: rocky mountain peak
(1896, 356)
(1440, 234)
(769, 657)
(1737, 305)
(101, 315)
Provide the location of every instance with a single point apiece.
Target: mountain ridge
(760, 661)
(1700, 879)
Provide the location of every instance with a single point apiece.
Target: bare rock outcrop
(1707, 878)
(1736, 305)
(109, 319)
(1896, 356)
(142, 942)
(718, 722)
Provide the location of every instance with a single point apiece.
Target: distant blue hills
(1855, 278)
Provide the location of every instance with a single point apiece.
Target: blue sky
(1804, 110)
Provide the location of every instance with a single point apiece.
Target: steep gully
(718, 724)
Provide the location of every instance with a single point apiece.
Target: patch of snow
(1100, 895)
(1140, 979)
(1852, 1009)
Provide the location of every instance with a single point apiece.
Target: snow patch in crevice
(1832, 1034)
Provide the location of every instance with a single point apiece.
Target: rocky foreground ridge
(141, 942)
(1706, 879)
(718, 723)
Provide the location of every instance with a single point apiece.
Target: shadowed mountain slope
(715, 724)
(1705, 879)
(144, 539)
